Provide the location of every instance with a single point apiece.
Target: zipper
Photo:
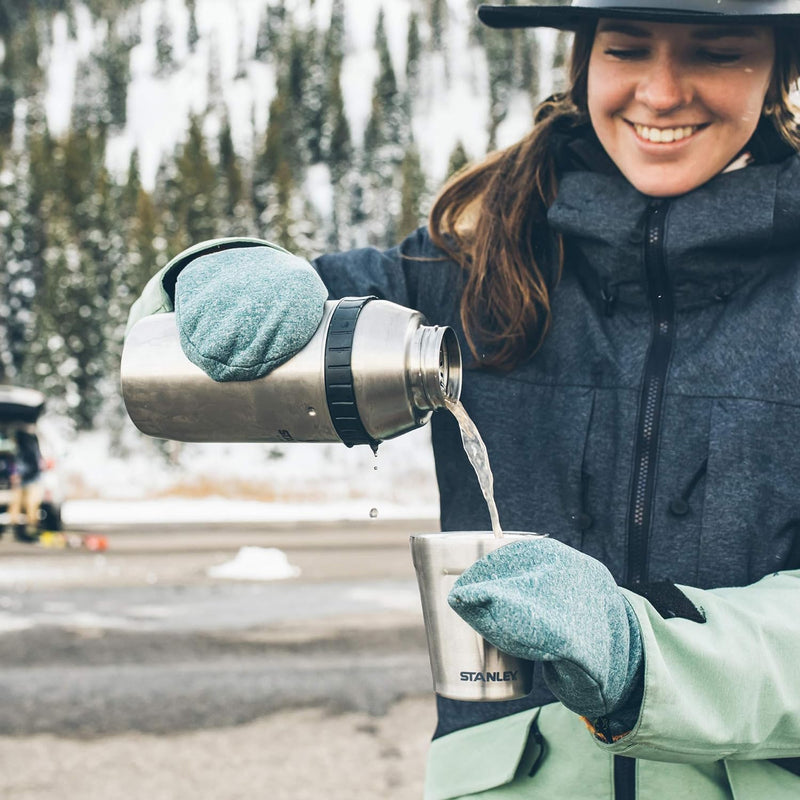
(648, 428)
(652, 398)
(624, 778)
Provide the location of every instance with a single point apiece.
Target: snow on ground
(220, 509)
(255, 564)
(138, 481)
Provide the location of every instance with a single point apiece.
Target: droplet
(375, 468)
(373, 512)
(312, 412)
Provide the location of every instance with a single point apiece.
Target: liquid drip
(478, 457)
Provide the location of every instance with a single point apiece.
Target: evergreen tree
(458, 159)
(477, 30)
(72, 24)
(21, 63)
(241, 61)
(271, 32)
(195, 213)
(500, 58)
(273, 182)
(165, 58)
(229, 176)
(68, 355)
(8, 99)
(314, 100)
(31, 176)
(377, 191)
(413, 54)
(385, 125)
(412, 192)
(214, 81)
(529, 65)
(560, 62)
(339, 147)
(21, 252)
(335, 38)
(114, 62)
(438, 21)
(192, 33)
(89, 104)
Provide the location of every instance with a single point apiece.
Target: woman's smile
(653, 134)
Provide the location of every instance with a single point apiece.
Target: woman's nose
(664, 86)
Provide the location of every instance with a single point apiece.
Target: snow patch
(256, 564)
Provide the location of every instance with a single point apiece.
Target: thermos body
(372, 371)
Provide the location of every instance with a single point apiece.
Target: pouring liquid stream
(478, 457)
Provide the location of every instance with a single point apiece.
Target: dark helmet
(571, 15)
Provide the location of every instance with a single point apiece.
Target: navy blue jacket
(658, 427)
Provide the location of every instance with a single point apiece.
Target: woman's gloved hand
(541, 600)
(243, 311)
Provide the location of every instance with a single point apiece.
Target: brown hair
(491, 217)
(779, 108)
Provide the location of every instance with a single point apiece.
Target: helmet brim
(570, 18)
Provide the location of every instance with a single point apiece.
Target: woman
(627, 280)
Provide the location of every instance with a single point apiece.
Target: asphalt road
(117, 651)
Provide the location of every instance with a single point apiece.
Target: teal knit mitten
(541, 600)
(242, 312)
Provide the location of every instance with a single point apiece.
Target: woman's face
(673, 104)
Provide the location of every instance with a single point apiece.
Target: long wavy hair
(491, 217)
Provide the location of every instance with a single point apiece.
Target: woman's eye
(626, 53)
(713, 57)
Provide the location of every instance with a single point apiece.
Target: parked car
(23, 407)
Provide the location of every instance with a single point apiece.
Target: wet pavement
(139, 641)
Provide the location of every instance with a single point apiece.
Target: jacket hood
(718, 237)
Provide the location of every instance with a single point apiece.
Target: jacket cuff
(169, 275)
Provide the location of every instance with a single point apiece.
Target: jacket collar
(717, 238)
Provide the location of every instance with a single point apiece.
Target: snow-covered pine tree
(192, 33)
(458, 159)
(196, 178)
(114, 62)
(413, 193)
(271, 31)
(385, 140)
(165, 49)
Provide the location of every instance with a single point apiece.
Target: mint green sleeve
(155, 299)
(728, 688)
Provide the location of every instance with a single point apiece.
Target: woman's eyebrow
(703, 34)
(734, 31)
(626, 28)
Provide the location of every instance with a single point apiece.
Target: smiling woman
(508, 318)
(627, 278)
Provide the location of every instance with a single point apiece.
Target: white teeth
(665, 135)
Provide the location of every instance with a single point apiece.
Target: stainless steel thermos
(372, 371)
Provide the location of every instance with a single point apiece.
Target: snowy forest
(316, 124)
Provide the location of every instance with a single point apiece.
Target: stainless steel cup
(464, 665)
